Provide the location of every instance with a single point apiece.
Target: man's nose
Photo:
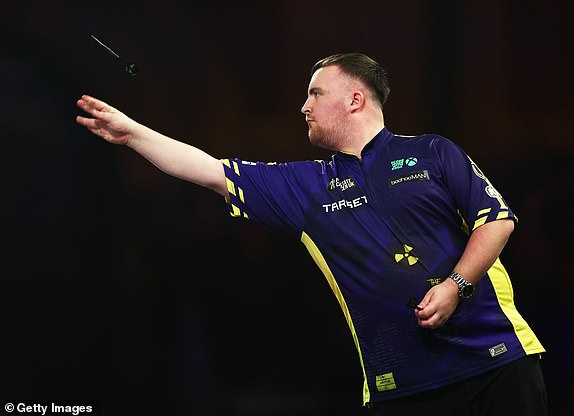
(305, 109)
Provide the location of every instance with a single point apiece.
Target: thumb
(425, 301)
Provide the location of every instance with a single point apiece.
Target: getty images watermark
(44, 408)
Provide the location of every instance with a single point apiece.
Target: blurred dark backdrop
(121, 284)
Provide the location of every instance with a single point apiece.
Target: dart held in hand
(130, 67)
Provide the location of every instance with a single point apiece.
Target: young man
(406, 229)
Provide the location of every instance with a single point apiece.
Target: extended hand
(438, 304)
(109, 123)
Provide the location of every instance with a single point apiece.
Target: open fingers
(92, 102)
(95, 107)
(90, 123)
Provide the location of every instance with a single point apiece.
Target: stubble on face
(329, 128)
(329, 131)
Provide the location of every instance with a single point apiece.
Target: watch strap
(465, 288)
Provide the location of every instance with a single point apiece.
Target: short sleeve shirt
(383, 229)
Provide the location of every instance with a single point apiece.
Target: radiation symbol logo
(406, 256)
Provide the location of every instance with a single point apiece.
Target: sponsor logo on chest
(420, 175)
(342, 184)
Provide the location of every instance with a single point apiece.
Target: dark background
(122, 284)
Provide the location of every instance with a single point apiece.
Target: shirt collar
(373, 145)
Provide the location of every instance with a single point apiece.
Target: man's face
(325, 108)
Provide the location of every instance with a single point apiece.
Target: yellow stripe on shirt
(505, 295)
(324, 267)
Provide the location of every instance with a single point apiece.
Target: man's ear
(357, 101)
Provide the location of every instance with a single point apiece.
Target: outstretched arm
(171, 156)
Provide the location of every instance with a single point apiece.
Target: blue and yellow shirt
(383, 229)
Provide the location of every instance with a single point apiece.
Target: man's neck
(362, 136)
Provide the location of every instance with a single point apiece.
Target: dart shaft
(106, 47)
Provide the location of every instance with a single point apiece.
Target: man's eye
(316, 94)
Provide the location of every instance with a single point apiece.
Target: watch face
(467, 291)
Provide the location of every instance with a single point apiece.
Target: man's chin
(313, 140)
(314, 136)
(319, 142)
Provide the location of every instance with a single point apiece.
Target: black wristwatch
(465, 288)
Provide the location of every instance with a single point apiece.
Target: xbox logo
(411, 161)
